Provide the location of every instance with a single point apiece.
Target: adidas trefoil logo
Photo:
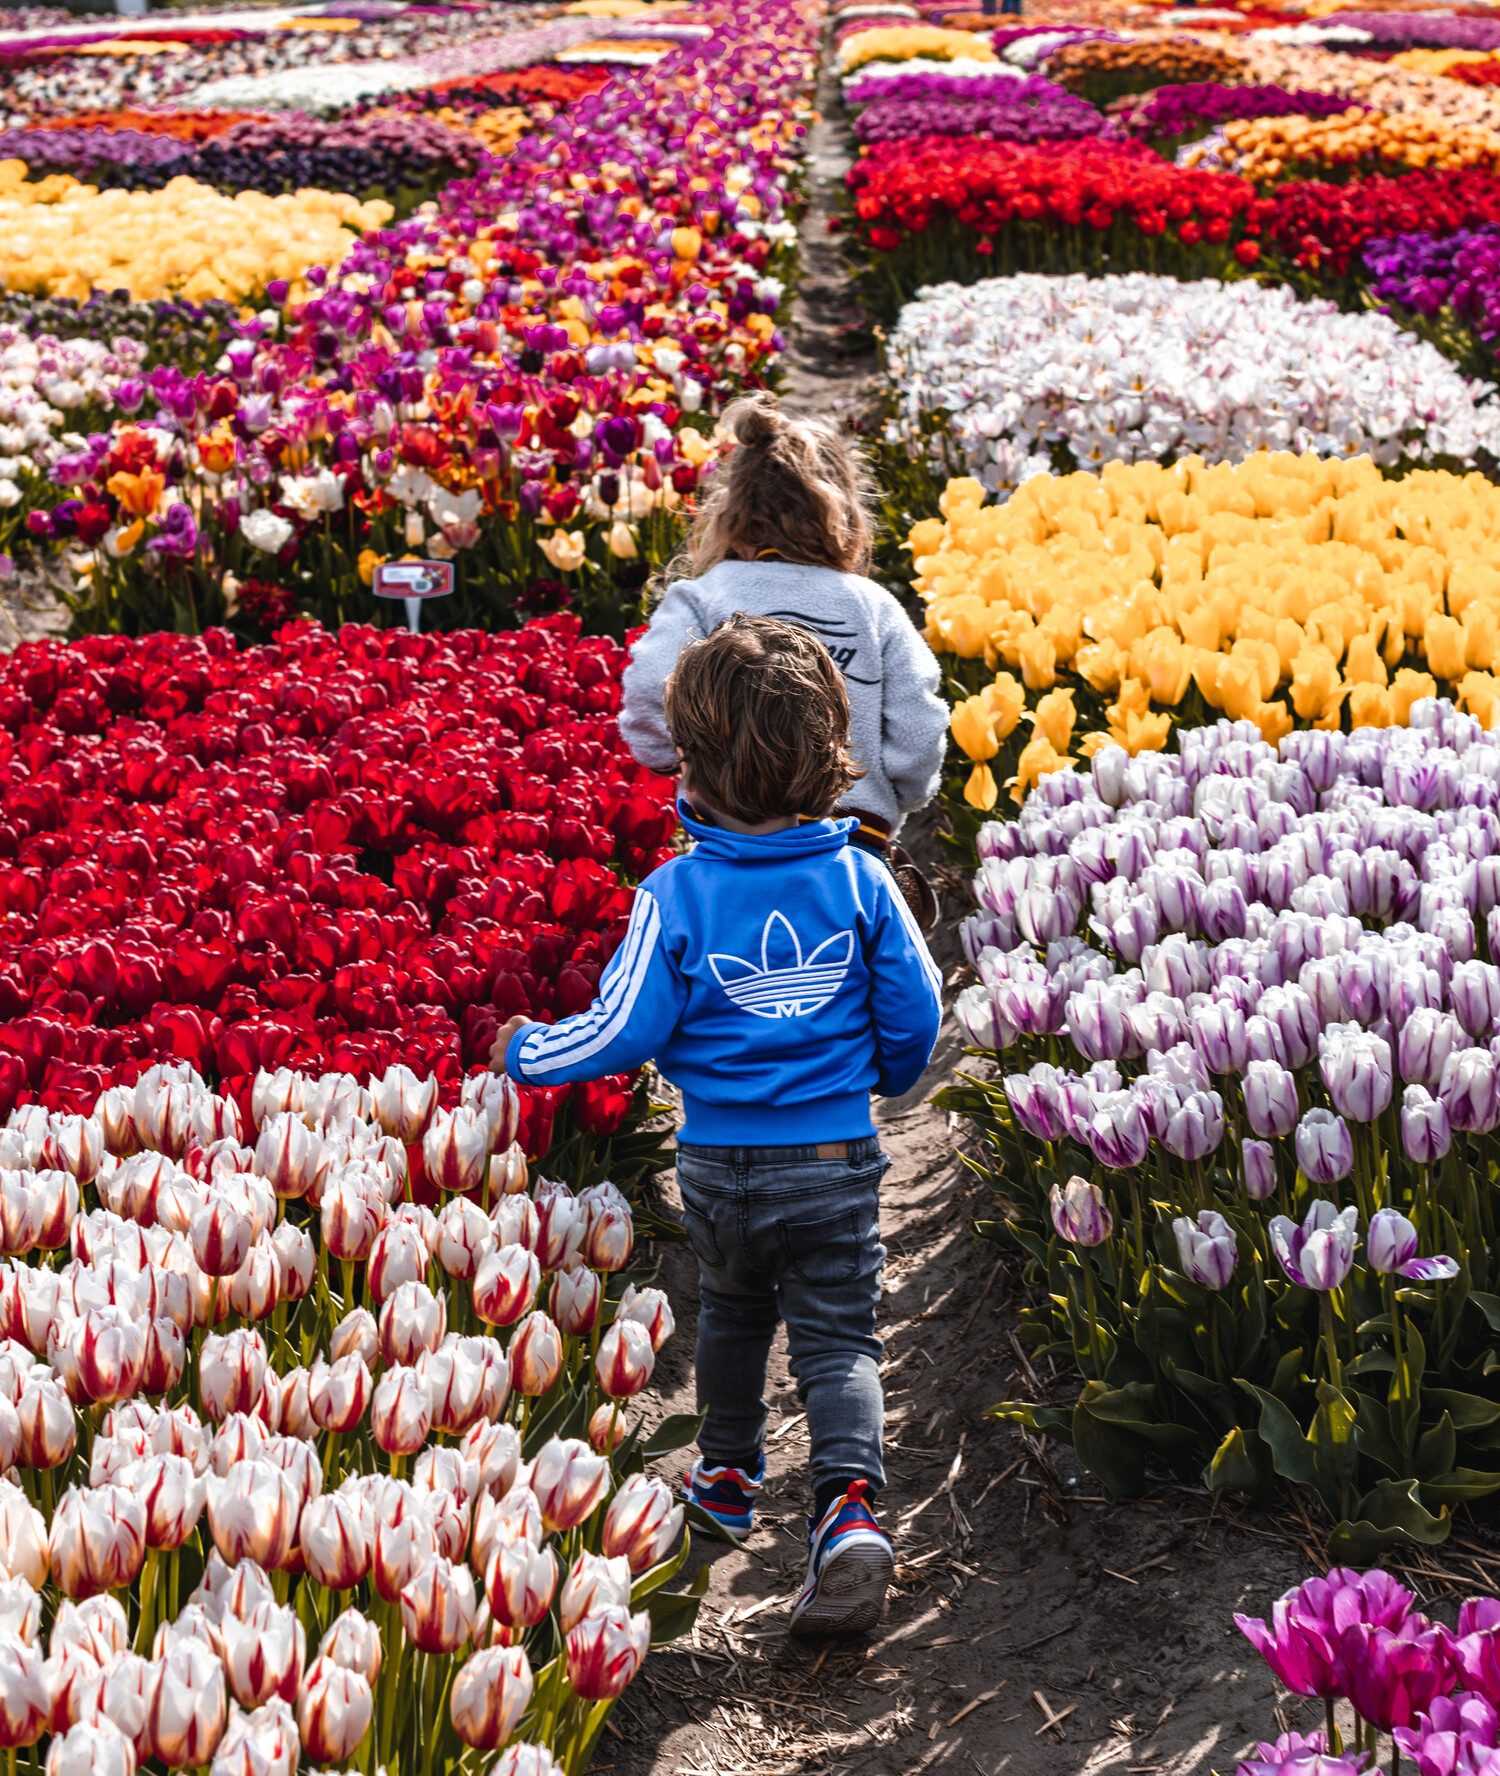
(785, 984)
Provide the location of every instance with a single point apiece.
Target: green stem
(1095, 1343)
(145, 1625)
(1331, 1727)
(1335, 1367)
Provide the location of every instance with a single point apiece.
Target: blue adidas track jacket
(776, 980)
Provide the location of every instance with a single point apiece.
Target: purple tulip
(1356, 1068)
(1196, 1128)
(1319, 1253)
(1296, 1020)
(1219, 1036)
(1098, 1022)
(1045, 914)
(1270, 1099)
(1133, 930)
(1302, 1643)
(1035, 1101)
(979, 1014)
(1221, 911)
(1325, 1148)
(1116, 1131)
(1457, 1735)
(1205, 1248)
(1158, 1022)
(1180, 1065)
(1080, 1214)
(1034, 1006)
(1292, 1754)
(1470, 1091)
(1474, 993)
(1392, 1676)
(1425, 1133)
(1391, 1246)
(1260, 1169)
(1427, 1039)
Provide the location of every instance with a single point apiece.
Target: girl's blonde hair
(789, 488)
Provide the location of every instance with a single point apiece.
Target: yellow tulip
(1364, 664)
(1038, 759)
(1006, 701)
(1038, 661)
(1479, 693)
(1370, 706)
(1409, 687)
(980, 791)
(1444, 641)
(368, 562)
(1316, 686)
(1054, 717)
(564, 549)
(1140, 733)
(973, 728)
(1481, 636)
(1165, 666)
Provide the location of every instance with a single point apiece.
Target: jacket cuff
(513, 1052)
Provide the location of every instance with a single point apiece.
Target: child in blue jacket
(776, 975)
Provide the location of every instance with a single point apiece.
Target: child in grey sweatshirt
(784, 532)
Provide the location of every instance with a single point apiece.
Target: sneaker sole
(850, 1597)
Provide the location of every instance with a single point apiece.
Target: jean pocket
(702, 1238)
(825, 1250)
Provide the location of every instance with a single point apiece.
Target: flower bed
(1271, 968)
(1355, 142)
(1448, 286)
(927, 105)
(1012, 377)
(1105, 71)
(1275, 592)
(1174, 114)
(1322, 228)
(537, 367)
(932, 208)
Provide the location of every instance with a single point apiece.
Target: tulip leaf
(1241, 1463)
(673, 1433)
(1335, 1437)
(1056, 1421)
(1289, 1377)
(1489, 1306)
(1405, 1397)
(1391, 1516)
(1375, 1439)
(1461, 1484)
(1436, 1450)
(1212, 1397)
(1115, 1456)
(657, 1576)
(582, 1754)
(1469, 1412)
(1291, 1453)
(673, 1613)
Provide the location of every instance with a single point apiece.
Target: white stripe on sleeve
(577, 1038)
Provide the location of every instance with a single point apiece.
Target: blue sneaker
(727, 1494)
(850, 1563)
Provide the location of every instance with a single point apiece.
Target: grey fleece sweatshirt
(898, 723)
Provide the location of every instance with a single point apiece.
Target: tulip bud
(353, 1642)
(610, 1238)
(334, 1708)
(24, 1704)
(188, 1706)
(606, 1429)
(508, 1174)
(455, 1149)
(166, 1356)
(625, 1360)
(516, 1223)
(594, 1584)
(494, 1097)
(91, 1748)
(401, 1550)
(353, 1210)
(231, 1373)
(536, 1355)
(48, 1428)
(569, 1481)
(97, 1540)
(562, 1222)
(438, 1606)
(1260, 1169)
(574, 1300)
(1079, 1213)
(1205, 1248)
(412, 1322)
(338, 1393)
(297, 1260)
(1425, 1131)
(109, 1350)
(505, 1285)
(490, 1695)
(172, 1496)
(496, 1450)
(519, 1582)
(641, 1523)
(261, 1743)
(465, 1236)
(403, 1102)
(335, 1542)
(252, 1514)
(400, 1413)
(254, 1289)
(605, 1652)
(221, 1234)
(115, 1111)
(287, 1155)
(514, 1516)
(399, 1255)
(1325, 1148)
(649, 1308)
(264, 1657)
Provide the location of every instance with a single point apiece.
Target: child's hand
(502, 1041)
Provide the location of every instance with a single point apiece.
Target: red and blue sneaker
(850, 1563)
(727, 1495)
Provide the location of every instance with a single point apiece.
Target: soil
(1020, 1595)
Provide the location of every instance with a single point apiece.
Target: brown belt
(832, 1150)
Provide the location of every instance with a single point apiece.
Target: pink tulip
(97, 1540)
(605, 1652)
(438, 1606)
(335, 1544)
(569, 1481)
(641, 1522)
(490, 1695)
(519, 1583)
(400, 1413)
(625, 1360)
(606, 1429)
(334, 1708)
(505, 1285)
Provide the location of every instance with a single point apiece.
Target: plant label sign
(412, 581)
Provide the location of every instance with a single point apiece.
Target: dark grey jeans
(783, 1235)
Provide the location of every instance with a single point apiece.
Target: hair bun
(756, 422)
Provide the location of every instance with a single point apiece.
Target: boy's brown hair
(759, 713)
(790, 489)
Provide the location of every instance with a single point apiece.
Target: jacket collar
(809, 839)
